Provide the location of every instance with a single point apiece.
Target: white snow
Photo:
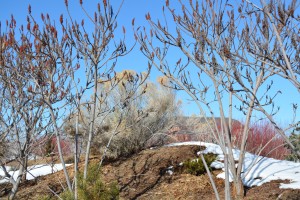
(33, 171)
(170, 170)
(257, 170)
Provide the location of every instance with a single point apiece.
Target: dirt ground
(147, 176)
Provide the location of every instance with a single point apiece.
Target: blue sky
(135, 60)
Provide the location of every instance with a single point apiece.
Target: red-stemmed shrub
(262, 139)
(47, 145)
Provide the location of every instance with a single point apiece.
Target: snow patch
(170, 170)
(254, 174)
(33, 171)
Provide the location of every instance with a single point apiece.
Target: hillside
(155, 174)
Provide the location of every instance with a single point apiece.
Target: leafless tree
(53, 52)
(274, 41)
(278, 24)
(37, 68)
(23, 117)
(216, 69)
(99, 51)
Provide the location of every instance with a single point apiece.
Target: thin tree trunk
(210, 178)
(25, 168)
(227, 182)
(16, 182)
(238, 183)
(91, 130)
(229, 161)
(76, 154)
(60, 150)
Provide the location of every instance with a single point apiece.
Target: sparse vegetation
(70, 159)
(93, 188)
(196, 166)
(295, 140)
(44, 197)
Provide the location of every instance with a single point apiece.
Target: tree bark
(91, 130)
(59, 148)
(16, 183)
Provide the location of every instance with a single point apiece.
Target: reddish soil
(145, 176)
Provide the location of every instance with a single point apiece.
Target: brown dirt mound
(184, 186)
(146, 170)
(145, 176)
(271, 190)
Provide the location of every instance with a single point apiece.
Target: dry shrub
(143, 117)
(131, 110)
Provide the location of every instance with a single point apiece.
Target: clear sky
(135, 60)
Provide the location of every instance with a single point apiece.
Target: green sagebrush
(295, 140)
(93, 188)
(196, 166)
